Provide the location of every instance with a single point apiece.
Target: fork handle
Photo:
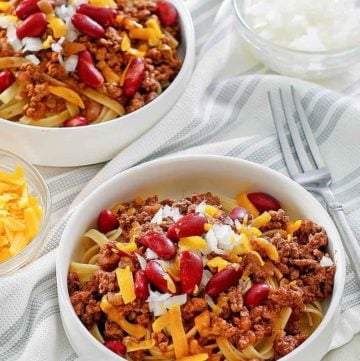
(349, 240)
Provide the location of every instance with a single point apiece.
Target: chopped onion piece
(142, 261)
(157, 219)
(159, 307)
(200, 208)
(5, 22)
(12, 38)
(149, 254)
(32, 44)
(326, 262)
(71, 62)
(173, 213)
(205, 278)
(33, 58)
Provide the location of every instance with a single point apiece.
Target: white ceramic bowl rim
(232, 162)
(354, 50)
(190, 39)
(26, 253)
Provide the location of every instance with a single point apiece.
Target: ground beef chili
(258, 279)
(70, 65)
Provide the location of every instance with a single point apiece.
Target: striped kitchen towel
(223, 111)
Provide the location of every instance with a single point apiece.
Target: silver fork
(307, 166)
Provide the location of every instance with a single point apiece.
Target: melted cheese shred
(20, 213)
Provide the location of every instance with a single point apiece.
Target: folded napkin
(223, 111)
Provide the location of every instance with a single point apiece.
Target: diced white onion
(79, 2)
(72, 33)
(205, 278)
(33, 58)
(160, 306)
(326, 262)
(32, 44)
(142, 261)
(158, 216)
(149, 254)
(229, 221)
(12, 38)
(209, 301)
(5, 22)
(200, 208)
(71, 62)
(56, 47)
(306, 25)
(173, 213)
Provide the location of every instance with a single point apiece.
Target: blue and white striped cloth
(223, 111)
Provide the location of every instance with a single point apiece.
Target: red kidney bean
(134, 77)
(158, 277)
(28, 7)
(190, 225)
(141, 285)
(6, 79)
(116, 346)
(160, 244)
(107, 221)
(223, 280)
(166, 13)
(89, 74)
(256, 295)
(191, 270)
(76, 121)
(34, 26)
(86, 56)
(104, 16)
(239, 213)
(87, 26)
(264, 202)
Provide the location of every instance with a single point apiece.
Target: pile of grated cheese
(20, 213)
(306, 25)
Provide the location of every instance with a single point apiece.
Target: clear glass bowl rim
(28, 252)
(341, 52)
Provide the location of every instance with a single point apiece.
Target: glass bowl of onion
(306, 39)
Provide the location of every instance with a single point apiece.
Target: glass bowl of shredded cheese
(307, 39)
(24, 212)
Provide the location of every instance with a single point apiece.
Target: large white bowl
(178, 177)
(96, 143)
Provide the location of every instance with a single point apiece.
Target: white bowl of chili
(63, 142)
(177, 177)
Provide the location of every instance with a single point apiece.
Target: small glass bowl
(302, 64)
(38, 188)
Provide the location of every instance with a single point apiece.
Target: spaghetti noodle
(181, 280)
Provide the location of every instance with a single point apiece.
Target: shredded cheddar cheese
(192, 243)
(218, 262)
(126, 284)
(243, 201)
(178, 335)
(20, 213)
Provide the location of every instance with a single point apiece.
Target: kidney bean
(28, 7)
(34, 26)
(104, 16)
(223, 280)
(89, 74)
(159, 278)
(257, 294)
(264, 202)
(87, 26)
(191, 270)
(6, 79)
(190, 225)
(116, 346)
(141, 285)
(160, 244)
(76, 121)
(86, 56)
(166, 13)
(107, 221)
(134, 77)
(239, 213)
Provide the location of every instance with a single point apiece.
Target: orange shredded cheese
(126, 284)
(218, 262)
(243, 201)
(127, 247)
(134, 330)
(178, 335)
(267, 247)
(192, 243)
(211, 211)
(198, 357)
(161, 322)
(57, 25)
(261, 220)
(4, 6)
(135, 345)
(20, 213)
